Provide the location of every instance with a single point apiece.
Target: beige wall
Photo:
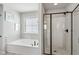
(41, 12)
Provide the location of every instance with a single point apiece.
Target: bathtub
(24, 46)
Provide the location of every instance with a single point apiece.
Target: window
(31, 24)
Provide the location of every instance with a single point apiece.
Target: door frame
(51, 31)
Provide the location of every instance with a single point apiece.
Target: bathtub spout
(34, 43)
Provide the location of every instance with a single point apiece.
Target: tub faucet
(34, 43)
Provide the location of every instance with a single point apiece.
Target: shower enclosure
(61, 33)
(57, 33)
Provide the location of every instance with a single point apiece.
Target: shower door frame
(50, 31)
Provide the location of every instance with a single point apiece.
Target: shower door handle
(66, 30)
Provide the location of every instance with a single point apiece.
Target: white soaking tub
(24, 46)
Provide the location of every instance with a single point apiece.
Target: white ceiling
(23, 7)
(51, 6)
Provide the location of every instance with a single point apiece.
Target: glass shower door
(46, 25)
(61, 34)
(57, 28)
(58, 31)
